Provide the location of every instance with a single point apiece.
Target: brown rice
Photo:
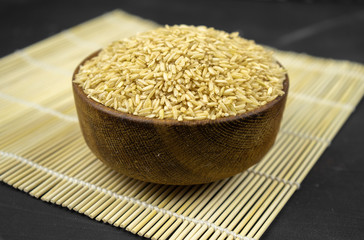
(184, 73)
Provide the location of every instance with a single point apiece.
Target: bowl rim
(155, 121)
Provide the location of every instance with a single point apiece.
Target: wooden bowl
(173, 152)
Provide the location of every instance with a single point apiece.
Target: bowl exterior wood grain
(178, 153)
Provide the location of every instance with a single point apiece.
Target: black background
(329, 204)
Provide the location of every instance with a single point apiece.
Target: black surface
(330, 203)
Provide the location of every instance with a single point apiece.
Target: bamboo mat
(43, 153)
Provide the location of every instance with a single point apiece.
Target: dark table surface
(329, 204)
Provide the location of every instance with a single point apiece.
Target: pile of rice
(184, 73)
